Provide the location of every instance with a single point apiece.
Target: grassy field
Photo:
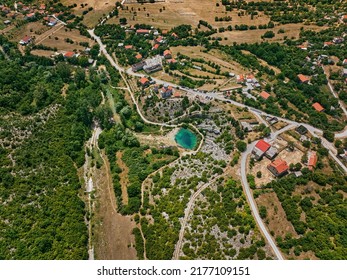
(100, 8)
(171, 13)
(62, 34)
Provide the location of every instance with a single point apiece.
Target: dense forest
(43, 129)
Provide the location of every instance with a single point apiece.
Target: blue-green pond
(186, 138)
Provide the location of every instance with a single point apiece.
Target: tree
(64, 71)
(269, 34)
(262, 212)
(123, 21)
(241, 146)
(329, 135)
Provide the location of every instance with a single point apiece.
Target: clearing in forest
(112, 231)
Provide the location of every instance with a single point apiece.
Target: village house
(70, 55)
(264, 95)
(344, 72)
(166, 91)
(177, 95)
(138, 66)
(260, 149)
(144, 82)
(251, 79)
(303, 79)
(52, 22)
(30, 16)
(327, 44)
(302, 47)
(153, 64)
(272, 120)
(167, 54)
(271, 153)
(240, 79)
(143, 31)
(318, 107)
(246, 126)
(301, 129)
(155, 47)
(344, 62)
(312, 161)
(278, 167)
(171, 61)
(25, 41)
(128, 47)
(138, 56)
(159, 40)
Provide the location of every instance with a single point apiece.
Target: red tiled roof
(69, 54)
(172, 60)
(303, 78)
(142, 31)
(167, 52)
(280, 165)
(318, 107)
(144, 80)
(263, 145)
(138, 56)
(241, 77)
(264, 95)
(128, 47)
(250, 76)
(26, 39)
(312, 161)
(156, 46)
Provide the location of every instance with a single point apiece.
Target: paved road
(249, 194)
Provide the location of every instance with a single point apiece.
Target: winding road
(260, 114)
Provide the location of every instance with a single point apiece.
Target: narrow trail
(187, 211)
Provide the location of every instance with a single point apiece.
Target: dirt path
(124, 181)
